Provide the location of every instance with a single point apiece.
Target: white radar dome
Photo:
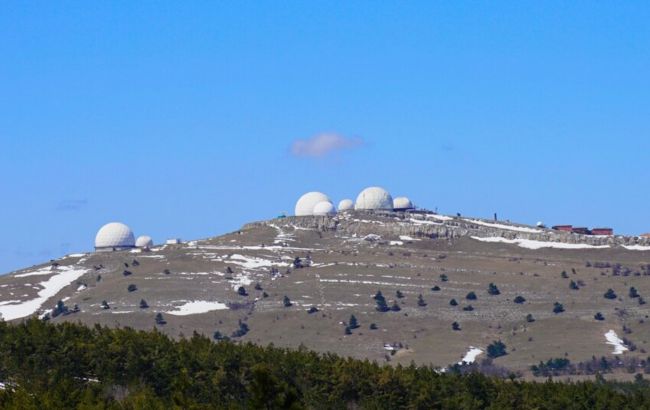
(402, 203)
(144, 241)
(324, 208)
(114, 236)
(346, 205)
(374, 198)
(307, 202)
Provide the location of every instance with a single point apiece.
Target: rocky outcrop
(395, 224)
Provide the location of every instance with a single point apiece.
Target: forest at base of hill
(48, 366)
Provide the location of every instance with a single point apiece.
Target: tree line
(66, 365)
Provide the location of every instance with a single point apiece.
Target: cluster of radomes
(372, 198)
(116, 236)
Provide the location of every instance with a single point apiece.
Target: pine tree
(455, 326)
(159, 319)
(395, 307)
(399, 294)
(286, 301)
(558, 308)
(471, 296)
(453, 302)
(610, 294)
(241, 291)
(496, 349)
(519, 300)
(353, 323)
(633, 292)
(493, 289)
(421, 301)
(573, 285)
(599, 316)
(444, 278)
(143, 304)
(530, 318)
(435, 288)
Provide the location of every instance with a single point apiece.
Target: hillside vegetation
(47, 366)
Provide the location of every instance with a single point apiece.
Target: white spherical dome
(374, 198)
(114, 235)
(402, 202)
(346, 205)
(144, 241)
(324, 208)
(307, 202)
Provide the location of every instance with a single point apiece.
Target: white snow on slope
(250, 262)
(471, 355)
(637, 247)
(531, 244)
(407, 238)
(439, 217)
(42, 271)
(197, 307)
(397, 243)
(52, 286)
(614, 340)
(505, 227)
(423, 222)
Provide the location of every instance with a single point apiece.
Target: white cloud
(323, 144)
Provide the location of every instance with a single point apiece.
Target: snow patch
(532, 244)
(471, 355)
(197, 307)
(505, 227)
(396, 243)
(250, 262)
(637, 247)
(51, 287)
(614, 340)
(407, 238)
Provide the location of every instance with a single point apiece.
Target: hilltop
(298, 280)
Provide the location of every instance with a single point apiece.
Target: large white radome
(144, 242)
(114, 236)
(307, 202)
(324, 208)
(402, 203)
(374, 198)
(346, 205)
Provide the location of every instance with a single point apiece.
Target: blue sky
(179, 118)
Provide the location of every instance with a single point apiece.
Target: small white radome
(324, 208)
(402, 203)
(374, 198)
(114, 236)
(346, 205)
(144, 241)
(307, 202)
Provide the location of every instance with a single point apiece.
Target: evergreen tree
(496, 349)
(241, 291)
(520, 300)
(493, 289)
(610, 294)
(471, 296)
(258, 286)
(132, 288)
(286, 301)
(382, 306)
(395, 307)
(455, 326)
(421, 301)
(599, 316)
(353, 323)
(558, 308)
(435, 288)
(373, 326)
(444, 278)
(160, 320)
(399, 294)
(633, 292)
(468, 308)
(347, 330)
(312, 309)
(453, 302)
(573, 285)
(143, 304)
(530, 318)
